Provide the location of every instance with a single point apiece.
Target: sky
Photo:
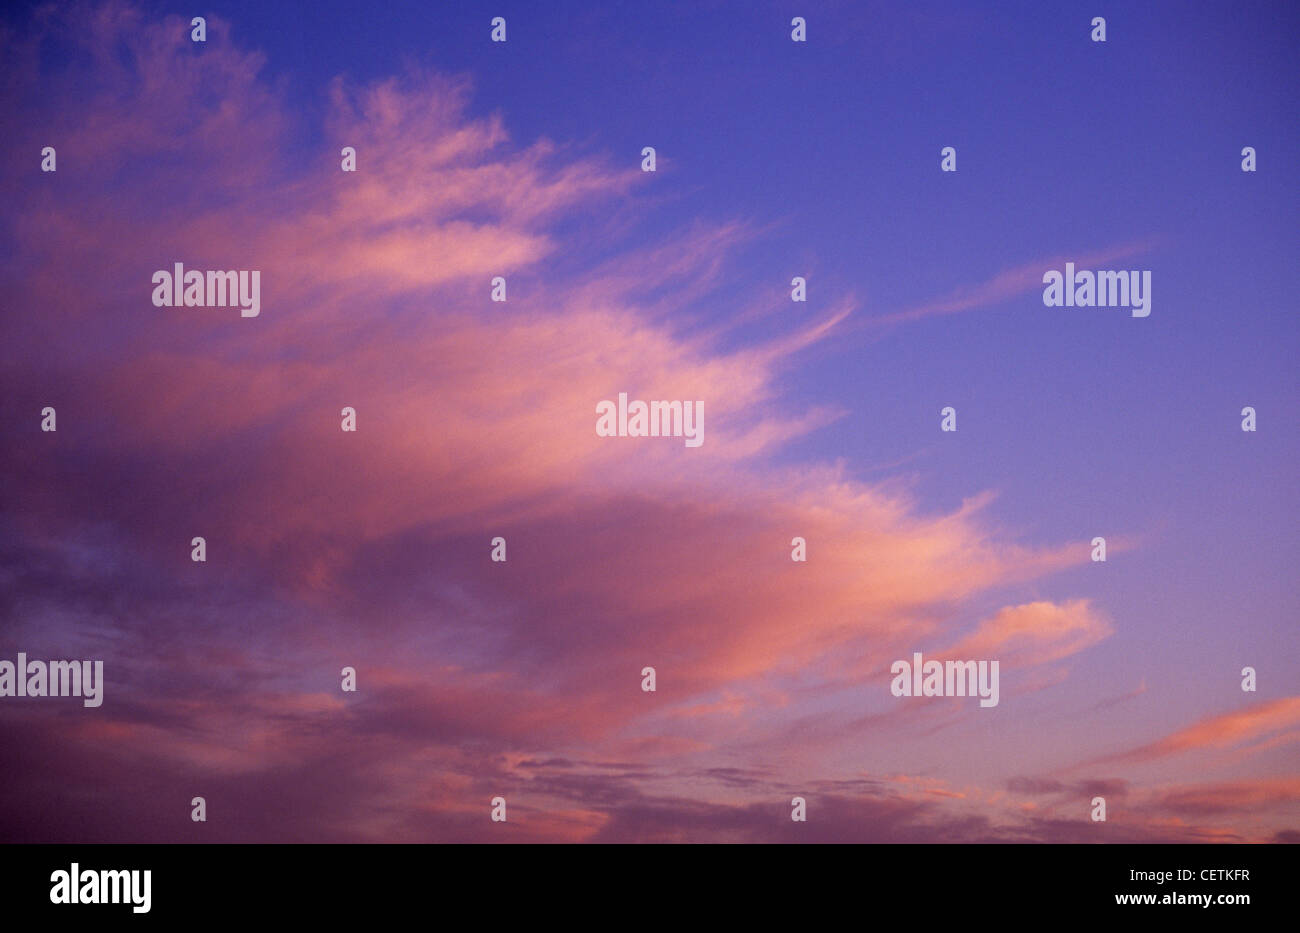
(523, 679)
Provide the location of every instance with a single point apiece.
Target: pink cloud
(1034, 633)
(1219, 732)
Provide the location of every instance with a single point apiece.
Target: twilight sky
(476, 419)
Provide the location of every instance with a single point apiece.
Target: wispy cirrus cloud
(1224, 731)
(1010, 283)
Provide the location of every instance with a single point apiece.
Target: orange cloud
(1221, 731)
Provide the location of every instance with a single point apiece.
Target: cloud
(474, 420)
(1219, 732)
(1230, 796)
(1010, 283)
(1034, 633)
(1041, 786)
